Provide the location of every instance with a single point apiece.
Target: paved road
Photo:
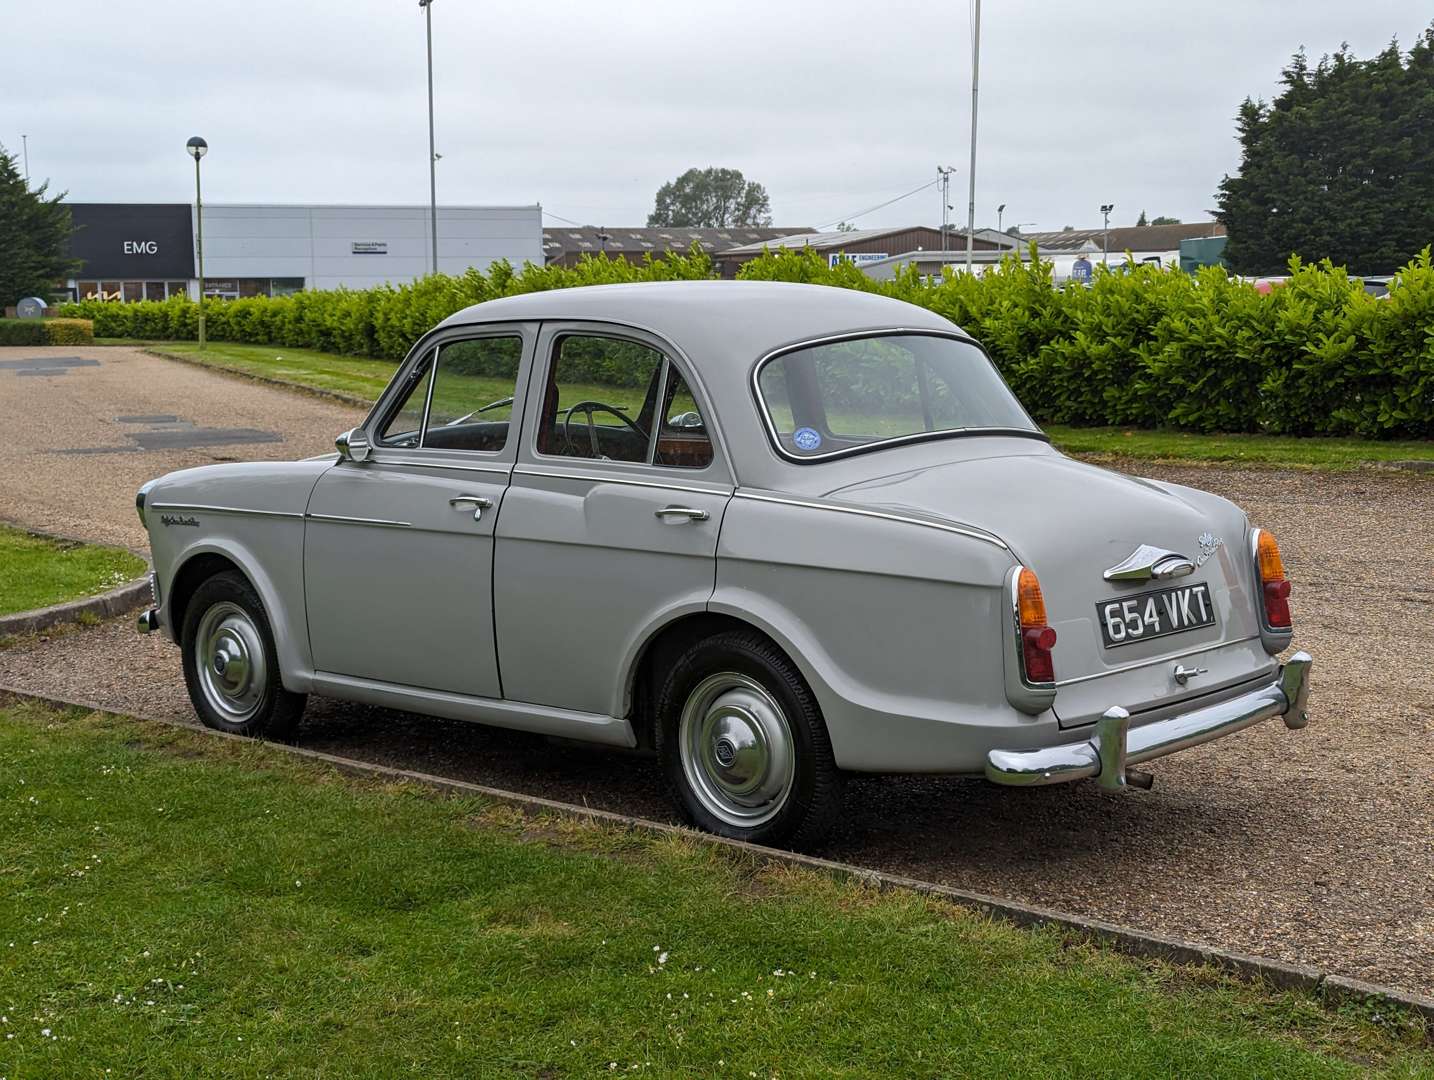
(84, 427)
(1314, 847)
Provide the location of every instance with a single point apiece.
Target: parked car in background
(777, 533)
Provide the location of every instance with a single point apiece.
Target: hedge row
(46, 332)
(1150, 347)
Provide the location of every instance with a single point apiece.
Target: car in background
(776, 533)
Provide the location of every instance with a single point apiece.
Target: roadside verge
(1334, 990)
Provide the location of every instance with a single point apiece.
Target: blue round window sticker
(806, 438)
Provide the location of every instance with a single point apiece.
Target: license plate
(1154, 614)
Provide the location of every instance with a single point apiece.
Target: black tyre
(230, 664)
(743, 744)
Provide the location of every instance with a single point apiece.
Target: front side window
(473, 388)
(600, 398)
(846, 395)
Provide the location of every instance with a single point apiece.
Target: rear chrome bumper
(1116, 744)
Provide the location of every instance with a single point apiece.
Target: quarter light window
(844, 396)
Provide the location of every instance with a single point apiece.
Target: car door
(610, 525)
(398, 552)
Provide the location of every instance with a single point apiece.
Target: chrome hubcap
(736, 748)
(229, 659)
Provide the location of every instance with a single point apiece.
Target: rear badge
(1208, 543)
(178, 519)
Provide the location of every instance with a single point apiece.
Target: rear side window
(599, 399)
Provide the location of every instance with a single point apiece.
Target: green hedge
(1149, 348)
(65, 331)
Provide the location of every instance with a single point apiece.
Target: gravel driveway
(85, 426)
(1314, 847)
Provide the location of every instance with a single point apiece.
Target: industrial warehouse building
(147, 251)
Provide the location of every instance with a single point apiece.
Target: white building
(137, 251)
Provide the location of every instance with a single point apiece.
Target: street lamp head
(1001, 209)
(197, 147)
(1107, 207)
(424, 3)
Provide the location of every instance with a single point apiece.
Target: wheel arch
(286, 620)
(665, 643)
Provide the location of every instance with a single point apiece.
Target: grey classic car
(776, 533)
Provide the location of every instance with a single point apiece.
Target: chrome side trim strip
(884, 515)
(1152, 663)
(658, 484)
(205, 509)
(406, 463)
(339, 520)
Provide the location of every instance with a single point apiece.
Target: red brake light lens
(1037, 637)
(1274, 586)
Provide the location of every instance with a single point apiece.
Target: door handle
(478, 502)
(688, 512)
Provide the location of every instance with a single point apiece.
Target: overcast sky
(587, 106)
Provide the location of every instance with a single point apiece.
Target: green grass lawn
(1278, 450)
(36, 571)
(176, 906)
(365, 379)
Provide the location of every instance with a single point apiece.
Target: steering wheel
(588, 408)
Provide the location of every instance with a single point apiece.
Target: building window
(177, 288)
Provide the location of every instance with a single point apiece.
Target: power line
(881, 206)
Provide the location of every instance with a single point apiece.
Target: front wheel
(743, 744)
(231, 667)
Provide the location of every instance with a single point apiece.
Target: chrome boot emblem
(1147, 562)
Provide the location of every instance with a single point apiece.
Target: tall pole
(975, 83)
(199, 219)
(432, 153)
(25, 149)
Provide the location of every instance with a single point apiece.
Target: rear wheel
(743, 744)
(231, 667)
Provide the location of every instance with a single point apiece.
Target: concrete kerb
(298, 388)
(128, 597)
(1332, 989)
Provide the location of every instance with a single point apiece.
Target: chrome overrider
(1116, 744)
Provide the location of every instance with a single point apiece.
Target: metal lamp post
(1105, 209)
(427, 6)
(1000, 212)
(197, 148)
(943, 175)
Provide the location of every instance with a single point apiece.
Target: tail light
(1037, 636)
(1274, 586)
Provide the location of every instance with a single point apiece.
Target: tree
(845, 226)
(1163, 220)
(34, 236)
(711, 198)
(1340, 165)
(1140, 221)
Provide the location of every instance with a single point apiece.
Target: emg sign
(141, 247)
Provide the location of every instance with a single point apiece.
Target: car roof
(723, 328)
(743, 319)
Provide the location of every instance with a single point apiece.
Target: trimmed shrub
(69, 331)
(1147, 347)
(46, 332)
(22, 332)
